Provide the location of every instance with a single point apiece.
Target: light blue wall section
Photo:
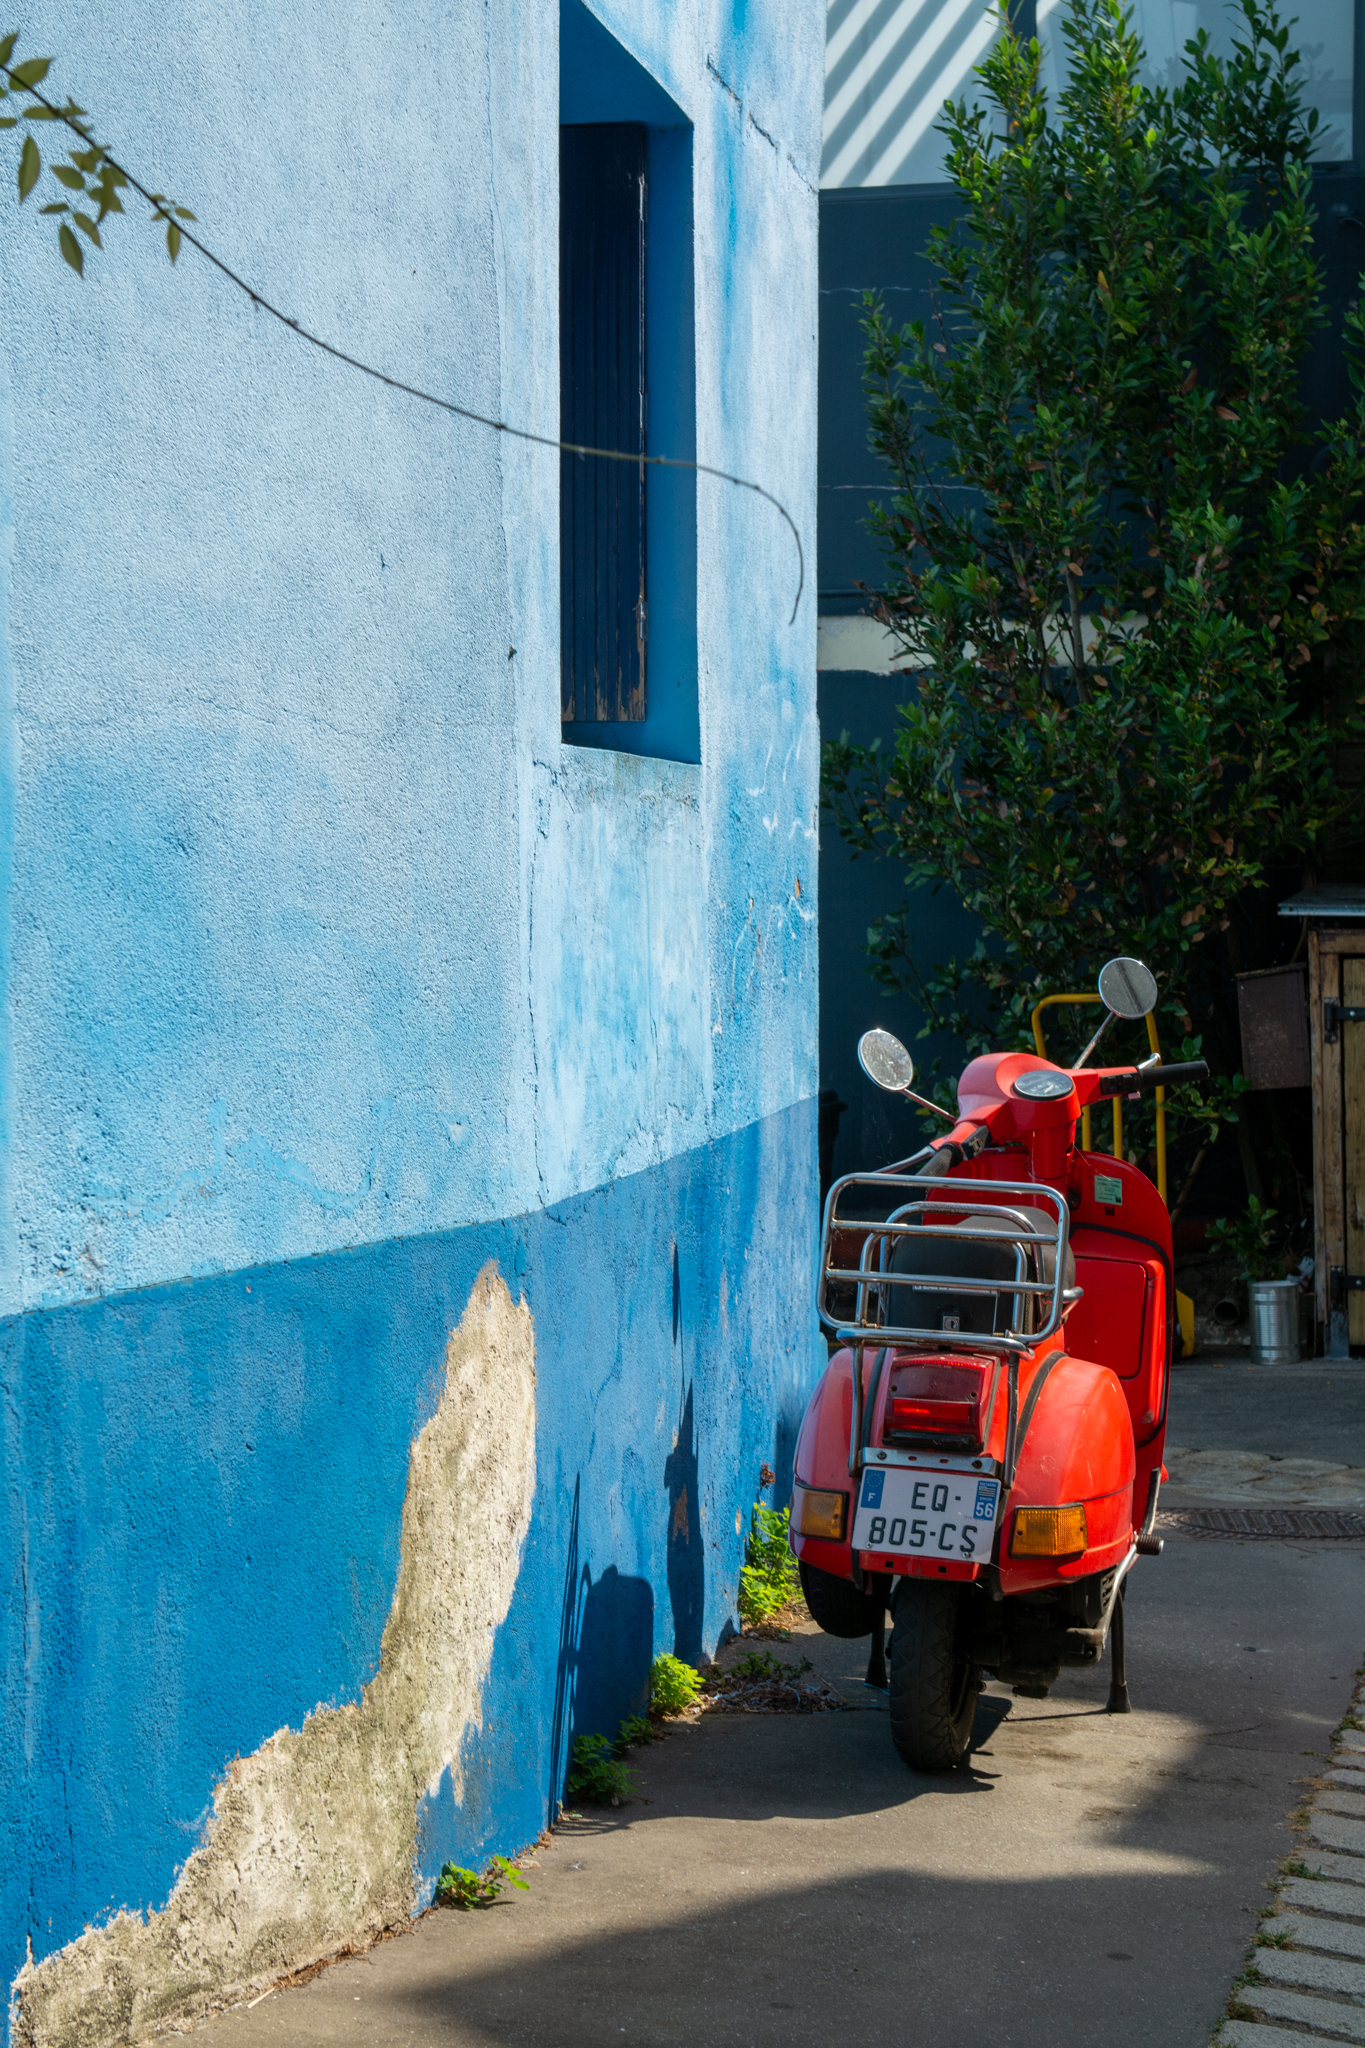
(324, 957)
(279, 781)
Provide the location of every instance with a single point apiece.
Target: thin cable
(463, 412)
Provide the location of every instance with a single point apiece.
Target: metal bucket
(1273, 1310)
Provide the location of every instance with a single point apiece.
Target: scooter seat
(946, 1253)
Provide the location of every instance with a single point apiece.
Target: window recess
(604, 619)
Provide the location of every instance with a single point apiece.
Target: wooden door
(1352, 1037)
(1336, 987)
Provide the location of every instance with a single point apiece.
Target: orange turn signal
(818, 1514)
(1048, 1532)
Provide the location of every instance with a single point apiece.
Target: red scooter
(983, 1453)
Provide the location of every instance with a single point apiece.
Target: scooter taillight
(938, 1397)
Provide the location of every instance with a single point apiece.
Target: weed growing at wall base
(635, 1731)
(597, 1775)
(769, 1580)
(673, 1685)
(466, 1889)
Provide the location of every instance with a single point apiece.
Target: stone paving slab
(1351, 1738)
(1344, 1869)
(1338, 1833)
(1306, 1930)
(1247, 2034)
(1326, 1965)
(1320, 1896)
(1349, 1771)
(1345, 2021)
(1313, 1973)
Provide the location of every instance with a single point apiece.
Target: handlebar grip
(1139, 1078)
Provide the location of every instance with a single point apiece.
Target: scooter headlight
(1048, 1532)
(816, 1513)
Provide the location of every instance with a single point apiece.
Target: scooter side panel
(822, 1459)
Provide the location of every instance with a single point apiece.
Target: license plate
(931, 1514)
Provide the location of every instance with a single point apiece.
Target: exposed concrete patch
(310, 1844)
(1262, 1481)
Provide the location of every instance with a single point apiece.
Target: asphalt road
(787, 1883)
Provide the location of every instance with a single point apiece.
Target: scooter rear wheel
(933, 1686)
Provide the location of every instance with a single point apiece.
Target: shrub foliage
(1127, 574)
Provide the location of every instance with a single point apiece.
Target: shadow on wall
(606, 1647)
(686, 1557)
(686, 1561)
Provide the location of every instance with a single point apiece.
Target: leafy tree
(1128, 628)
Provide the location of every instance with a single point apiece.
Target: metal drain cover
(1264, 1523)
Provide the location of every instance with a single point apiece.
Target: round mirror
(1127, 988)
(884, 1060)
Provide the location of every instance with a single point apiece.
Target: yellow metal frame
(1116, 1148)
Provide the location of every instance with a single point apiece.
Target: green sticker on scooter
(1108, 1188)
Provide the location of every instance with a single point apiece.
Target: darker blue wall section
(204, 1490)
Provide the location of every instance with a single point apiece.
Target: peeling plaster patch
(311, 1840)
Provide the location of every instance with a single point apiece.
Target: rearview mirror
(1127, 988)
(884, 1060)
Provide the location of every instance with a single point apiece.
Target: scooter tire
(933, 1687)
(836, 1605)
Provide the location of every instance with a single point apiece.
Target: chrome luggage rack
(875, 1281)
(915, 1217)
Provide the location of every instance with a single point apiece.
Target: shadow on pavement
(785, 1882)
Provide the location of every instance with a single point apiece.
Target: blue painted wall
(329, 970)
(215, 1472)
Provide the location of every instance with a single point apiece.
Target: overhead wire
(162, 211)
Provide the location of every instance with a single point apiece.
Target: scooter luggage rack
(874, 1280)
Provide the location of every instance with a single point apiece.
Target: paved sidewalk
(790, 1883)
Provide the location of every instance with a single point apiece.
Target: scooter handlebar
(1136, 1079)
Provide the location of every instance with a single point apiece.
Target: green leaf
(172, 240)
(33, 72)
(40, 113)
(71, 249)
(183, 213)
(30, 168)
(57, 206)
(7, 48)
(9, 121)
(87, 227)
(72, 180)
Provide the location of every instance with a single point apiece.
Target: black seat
(948, 1253)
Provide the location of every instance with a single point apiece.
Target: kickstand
(1119, 1702)
(876, 1662)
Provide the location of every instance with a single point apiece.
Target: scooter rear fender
(1078, 1448)
(822, 1460)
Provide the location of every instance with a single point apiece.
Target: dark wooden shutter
(602, 405)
